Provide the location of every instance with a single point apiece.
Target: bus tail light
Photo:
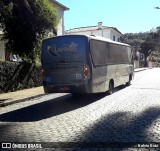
(42, 72)
(86, 71)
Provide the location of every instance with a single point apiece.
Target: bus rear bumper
(76, 88)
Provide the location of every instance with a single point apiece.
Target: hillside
(134, 39)
(147, 42)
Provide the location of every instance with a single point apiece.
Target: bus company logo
(69, 49)
(6, 145)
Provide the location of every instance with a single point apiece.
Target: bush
(19, 75)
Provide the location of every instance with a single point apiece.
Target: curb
(20, 100)
(140, 70)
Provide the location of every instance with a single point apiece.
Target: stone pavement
(27, 94)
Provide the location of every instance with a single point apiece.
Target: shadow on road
(123, 130)
(117, 130)
(124, 127)
(50, 108)
(120, 129)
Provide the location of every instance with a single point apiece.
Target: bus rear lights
(85, 71)
(42, 73)
(86, 77)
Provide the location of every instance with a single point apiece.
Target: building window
(118, 39)
(114, 38)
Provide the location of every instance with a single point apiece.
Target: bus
(85, 64)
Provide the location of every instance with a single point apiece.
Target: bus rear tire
(76, 95)
(129, 82)
(111, 87)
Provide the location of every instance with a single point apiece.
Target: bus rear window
(68, 48)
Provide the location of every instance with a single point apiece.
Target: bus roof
(106, 40)
(93, 37)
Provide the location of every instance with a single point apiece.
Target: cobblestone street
(131, 114)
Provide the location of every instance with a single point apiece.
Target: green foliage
(158, 59)
(17, 76)
(25, 23)
(151, 43)
(147, 41)
(134, 39)
(147, 47)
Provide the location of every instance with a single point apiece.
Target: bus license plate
(64, 89)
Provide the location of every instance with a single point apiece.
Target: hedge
(19, 75)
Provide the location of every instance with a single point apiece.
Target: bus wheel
(75, 95)
(129, 82)
(111, 87)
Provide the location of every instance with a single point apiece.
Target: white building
(99, 30)
(60, 11)
(60, 30)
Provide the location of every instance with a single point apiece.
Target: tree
(147, 47)
(157, 38)
(151, 43)
(134, 39)
(25, 23)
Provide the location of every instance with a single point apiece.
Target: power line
(156, 7)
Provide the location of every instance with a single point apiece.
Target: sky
(128, 16)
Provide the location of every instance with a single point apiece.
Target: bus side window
(99, 52)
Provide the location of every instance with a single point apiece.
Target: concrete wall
(60, 13)
(136, 64)
(60, 27)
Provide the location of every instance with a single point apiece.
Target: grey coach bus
(85, 64)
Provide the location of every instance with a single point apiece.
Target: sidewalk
(27, 94)
(19, 96)
(139, 69)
